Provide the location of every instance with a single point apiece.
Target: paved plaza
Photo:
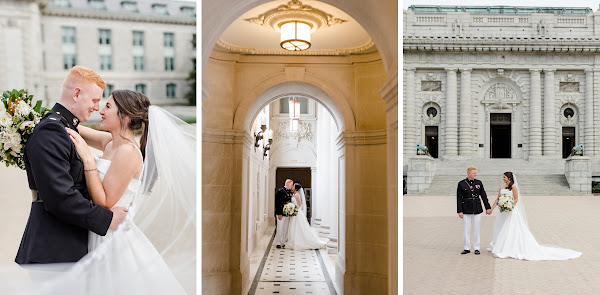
(432, 244)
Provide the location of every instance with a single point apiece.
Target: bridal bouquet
(18, 117)
(290, 210)
(506, 203)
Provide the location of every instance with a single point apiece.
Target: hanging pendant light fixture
(296, 22)
(295, 36)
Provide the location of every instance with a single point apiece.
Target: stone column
(451, 132)
(588, 141)
(535, 115)
(410, 137)
(549, 114)
(466, 115)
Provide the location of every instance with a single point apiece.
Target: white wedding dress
(512, 237)
(300, 235)
(153, 251)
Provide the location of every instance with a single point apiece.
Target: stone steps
(541, 184)
(332, 245)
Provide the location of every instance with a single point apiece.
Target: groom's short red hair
(79, 74)
(471, 169)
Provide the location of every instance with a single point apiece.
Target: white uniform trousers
(471, 220)
(282, 230)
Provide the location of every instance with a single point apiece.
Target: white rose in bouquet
(23, 109)
(5, 119)
(290, 210)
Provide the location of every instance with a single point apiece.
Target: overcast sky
(545, 3)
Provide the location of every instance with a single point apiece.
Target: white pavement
(433, 242)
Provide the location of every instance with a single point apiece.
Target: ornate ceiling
(334, 32)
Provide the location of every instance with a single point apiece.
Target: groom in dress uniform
(468, 207)
(282, 197)
(62, 213)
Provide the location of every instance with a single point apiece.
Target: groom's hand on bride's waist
(118, 217)
(279, 217)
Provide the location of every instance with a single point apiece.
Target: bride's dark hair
(134, 105)
(297, 186)
(509, 175)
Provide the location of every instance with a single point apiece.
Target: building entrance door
(299, 175)
(431, 140)
(568, 140)
(500, 135)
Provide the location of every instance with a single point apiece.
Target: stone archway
(265, 93)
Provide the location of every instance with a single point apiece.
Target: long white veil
(520, 203)
(303, 199)
(164, 209)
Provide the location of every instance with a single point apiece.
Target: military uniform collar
(71, 120)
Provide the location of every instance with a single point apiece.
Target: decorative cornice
(295, 10)
(118, 16)
(340, 51)
(520, 44)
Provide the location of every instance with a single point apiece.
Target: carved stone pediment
(568, 121)
(500, 96)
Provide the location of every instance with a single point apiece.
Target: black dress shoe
(278, 247)
(477, 252)
(283, 246)
(465, 252)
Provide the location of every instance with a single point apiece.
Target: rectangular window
(138, 38)
(169, 63)
(62, 3)
(69, 60)
(106, 62)
(138, 63)
(189, 11)
(68, 35)
(97, 4)
(108, 90)
(303, 105)
(160, 9)
(171, 90)
(129, 6)
(169, 40)
(284, 106)
(140, 88)
(104, 37)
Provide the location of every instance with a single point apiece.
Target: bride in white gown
(300, 235)
(157, 185)
(512, 237)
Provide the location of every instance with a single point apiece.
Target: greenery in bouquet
(506, 203)
(18, 117)
(290, 210)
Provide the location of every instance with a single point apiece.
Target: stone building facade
(501, 82)
(145, 45)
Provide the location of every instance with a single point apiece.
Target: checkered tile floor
(292, 272)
